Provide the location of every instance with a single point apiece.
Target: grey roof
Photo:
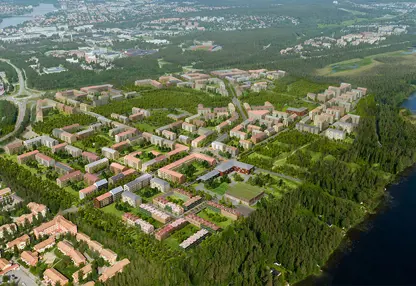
(209, 175)
(160, 181)
(63, 167)
(131, 195)
(117, 177)
(144, 177)
(227, 165)
(98, 162)
(101, 183)
(116, 191)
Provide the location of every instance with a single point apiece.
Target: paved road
(21, 103)
(258, 170)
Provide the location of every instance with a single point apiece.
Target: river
(40, 10)
(383, 252)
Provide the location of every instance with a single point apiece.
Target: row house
(134, 220)
(167, 230)
(164, 204)
(155, 213)
(192, 202)
(194, 239)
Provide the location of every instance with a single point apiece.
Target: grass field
(359, 66)
(177, 237)
(215, 218)
(243, 190)
(111, 209)
(221, 189)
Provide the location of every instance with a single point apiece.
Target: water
(40, 10)
(384, 253)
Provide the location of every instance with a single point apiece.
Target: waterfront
(382, 250)
(40, 10)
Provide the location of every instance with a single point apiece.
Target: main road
(21, 103)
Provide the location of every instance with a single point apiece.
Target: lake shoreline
(361, 231)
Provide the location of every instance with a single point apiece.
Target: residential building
(103, 200)
(90, 157)
(19, 242)
(131, 198)
(53, 277)
(194, 239)
(29, 258)
(87, 192)
(97, 165)
(44, 160)
(14, 148)
(155, 213)
(202, 223)
(22, 159)
(138, 183)
(86, 270)
(161, 185)
(110, 153)
(113, 270)
(68, 250)
(59, 225)
(75, 176)
(117, 168)
(44, 245)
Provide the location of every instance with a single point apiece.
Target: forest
(8, 116)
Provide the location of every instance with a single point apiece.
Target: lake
(40, 10)
(384, 252)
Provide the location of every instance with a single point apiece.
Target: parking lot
(23, 277)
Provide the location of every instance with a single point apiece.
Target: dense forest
(8, 116)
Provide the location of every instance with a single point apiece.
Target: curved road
(21, 103)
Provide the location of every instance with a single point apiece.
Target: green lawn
(221, 189)
(177, 196)
(177, 237)
(215, 217)
(243, 190)
(111, 209)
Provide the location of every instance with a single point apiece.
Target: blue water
(384, 252)
(42, 9)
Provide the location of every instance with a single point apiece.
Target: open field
(358, 66)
